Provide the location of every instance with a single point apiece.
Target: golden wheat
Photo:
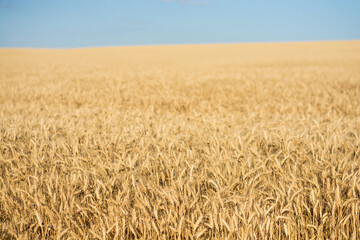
(238, 141)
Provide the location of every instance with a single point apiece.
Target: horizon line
(180, 44)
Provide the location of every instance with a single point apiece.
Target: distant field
(237, 141)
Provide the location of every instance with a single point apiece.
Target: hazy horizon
(180, 45)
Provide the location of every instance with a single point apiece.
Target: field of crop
(237, 141)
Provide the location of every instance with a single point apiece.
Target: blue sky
(87, 23)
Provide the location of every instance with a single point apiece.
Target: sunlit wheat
(238, 141)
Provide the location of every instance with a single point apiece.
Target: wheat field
(227, 141)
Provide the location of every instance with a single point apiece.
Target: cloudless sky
(86, 23)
